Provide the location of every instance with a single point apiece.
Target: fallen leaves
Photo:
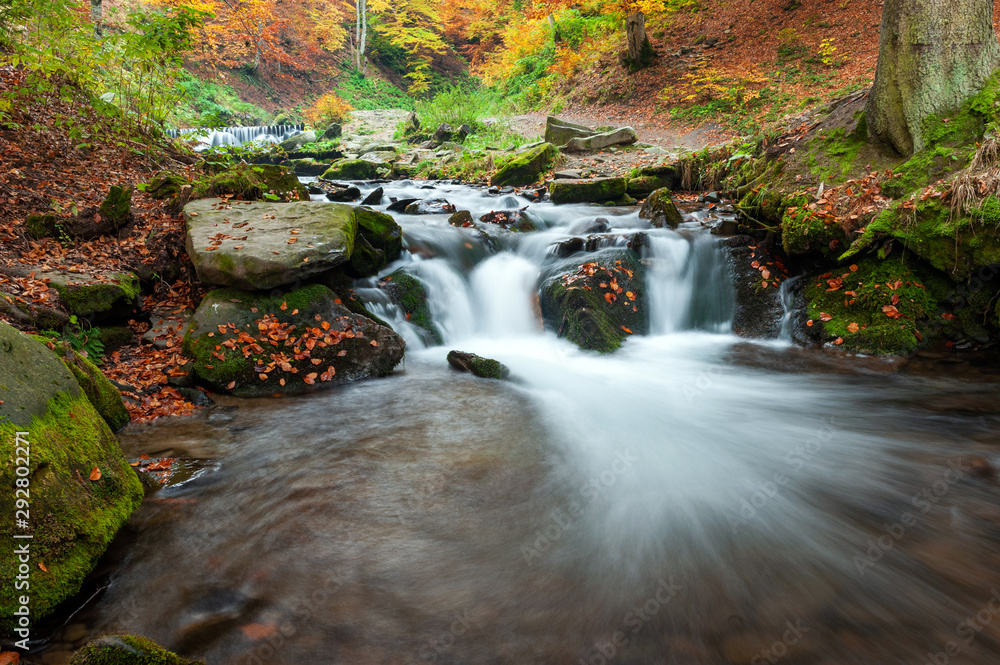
(823, 316)
(95, 474)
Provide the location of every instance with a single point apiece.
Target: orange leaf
(373, 343)
(41, 566)
(258, 631)
(765, 273)
(823, 316)
(232, 384)
(292, 241)
(891, 311)
(284, 306)
(853, 327)
(262, 376)
(948, 315)
(838, 341)
(626, 330)
(95, 474)
(854, 267)
(763, 284)
(809, 323)
(609, 297)
(310, 378)
(10, 658)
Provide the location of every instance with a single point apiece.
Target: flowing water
(237, 136)
(692, 498)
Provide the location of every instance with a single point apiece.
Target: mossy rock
(73, 519)
(166, 184)
(101, 392)
(485, 368)
(46, 225)
(252, 182)
(306, 167)
(461, 218)
(351, 169)
(524, 168)
(409, 294)
(127, 650)
(597, 304)
(113, 338)
(892, 306)
(596, 190)
(642, 186)
(366, 261)
(660, 210)
(807, 231)
(95, 296)
(117, 207)
(230, 337)
(381, 231)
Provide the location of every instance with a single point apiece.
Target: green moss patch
(409, 293)
(524, 168)
(127, 650)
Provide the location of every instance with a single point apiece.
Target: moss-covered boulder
(117, 207)
(79, 489)
(594, 190)
(166, 184)
(597, 304)
(101, 393)
(127, 650)
(410, 295)
(524, 168)
(660, 210)
(351, 169)
(381, 231)
(251, 182)
(316, 342)
(96, 296)
(620, 136)
(307, 166)
(265, 245)
(485, 368)
(642, 186)
(756, 273)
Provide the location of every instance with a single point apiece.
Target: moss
(380, 230)
(409, 293)
(351, 169)
(99, 297)
(251, 182)
(836, 154)
(923, 168)
(101, 393)
(598, 190)
(43, 226)
(525, 168)
(642, 186)
(127, 650)
(166, 184)
(74, 518)
(806, 230)
(860, 296)
(113, 337)
(660, 210)
(117, 207)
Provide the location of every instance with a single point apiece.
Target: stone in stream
(374, 198)
(622, 136)
(485, 368)
(518, 220)
(559, 132)
(351, 169)
(594, 190)
(127, 650)
(757, 311)
(306, 167)
(409, 294)
(525, 167)
(400, 205)
(598, 303)
(230, 339)
(343, 194)
(266, 245)
(461, 218)
(82, 488)
(430, 207)
(660, 210)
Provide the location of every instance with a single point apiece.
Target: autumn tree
(933, 55)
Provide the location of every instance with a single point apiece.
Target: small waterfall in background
(237, 135)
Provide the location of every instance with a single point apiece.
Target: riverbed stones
(592, 190)
(621, 136)
(757, 310)
(82, 488)
(660, 210)
(430, 207)
(524, 168)
(266, 245)
(317, 342)
(485, 368)
(597, 304)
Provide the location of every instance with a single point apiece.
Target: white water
(238, 136)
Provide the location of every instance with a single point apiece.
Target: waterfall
(237, 135)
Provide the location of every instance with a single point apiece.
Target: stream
(694, 498)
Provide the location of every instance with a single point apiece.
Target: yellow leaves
(325, 111)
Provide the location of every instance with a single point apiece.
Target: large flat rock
(260, 246)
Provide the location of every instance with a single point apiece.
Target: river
(694, 498)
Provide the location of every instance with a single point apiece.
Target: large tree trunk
(97, 17)
(640, 52)
(933, 55)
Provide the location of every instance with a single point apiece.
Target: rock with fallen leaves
(267, 245)
(597, 304)
(660, 210)
(122, 649)
(75, 511)
(253, 345)
(757, 274)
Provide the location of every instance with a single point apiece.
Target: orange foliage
(327, 110)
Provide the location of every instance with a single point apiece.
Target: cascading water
(685, 500)
(237, 135)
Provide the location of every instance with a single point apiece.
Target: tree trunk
(96, 17)
(361, 34)
(933, 55)
(640, 51)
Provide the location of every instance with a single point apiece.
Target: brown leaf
(838, 341)
(95, 474)
(823, 316)
(232, 384)
(853, 327)
(9, 658)
(41, 567)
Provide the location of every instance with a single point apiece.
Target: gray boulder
(299, 140)
(660, 210)
(559, 132)
(621, 136)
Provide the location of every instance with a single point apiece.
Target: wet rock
(127, 650)
(196, 396)
(351, 169)
(599, 303)
(343, 194)
(297, 141)
(374, 198)
(409, 294)
(381, 231)
(166, 328)
(621, 136)
(559, 132)
(568, 247)
(485, 368)
(642, 186)
(96, 295)
(242, 360)
(710, 197)
(525, 167)
(660, 210)
(265, 258)
(757, 311)
(517, 220)
(430, 207)
(400, 205)
(461, 218)
(594, 190)
(585, 227)
(38, 392)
